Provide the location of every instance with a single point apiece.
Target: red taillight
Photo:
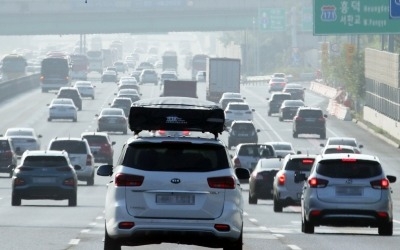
(19, 182)
(186, 133)
(127, 180)
(236, 163)
(69, 182)
(317, 183)
(349, 160)
(88, 160)
(383, 215)
(222, 227)
(224, 182)
(315, 213)
(41, 78)
(105, 148)
(308, 161)
(161, 132)
(126, 225)
(298, 118)
(281, 179)
(380, 184)
(321, 119)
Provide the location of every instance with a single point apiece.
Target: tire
(269, 113)
(277, 206)
(295, 135)
(280, 118)
(49, 119)
(237, 244)
(125, 132)
(90, 181)
(386, 229)
(322, 135)
(75, 120)
(306, 226)
(15, 200)
(92, 97)
(10, 174)
(252, 199)
(72, 200)
(109, 243)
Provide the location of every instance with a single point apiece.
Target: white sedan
(85, 88)
(63, 108)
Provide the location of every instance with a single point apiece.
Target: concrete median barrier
(10, 89)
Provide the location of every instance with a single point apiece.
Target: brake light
(317, 183)
(236, 163)
(105, 148)
(349, 160)
(321, 119)
(41, 78)
(224, 182)
(126, 225)
(127, 180)
(186, 133)
(88, 160)
(69, 182)
(18, 182)
(281, 180)
(380, 184)
(308, 161)
(222, 227)
(161, 132)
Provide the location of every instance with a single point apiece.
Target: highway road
(52, 225)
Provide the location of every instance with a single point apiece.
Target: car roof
(45, 152)
(184, 139)
(348, 156)
(68, 139)
(94, 133)
(20, 129)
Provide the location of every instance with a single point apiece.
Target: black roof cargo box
(177, 114)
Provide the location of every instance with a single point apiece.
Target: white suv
(79, 153)
(238, 111)
(174, 189)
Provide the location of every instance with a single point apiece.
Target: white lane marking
(85, 231)
(294, 247)
(99, 217)
(253, 220)
(74, 242)
(396, 221)
(278, 235)
(92, 224)
(245, 214)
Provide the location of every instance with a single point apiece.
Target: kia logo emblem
(175, 181)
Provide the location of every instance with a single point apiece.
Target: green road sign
(307, 19)
(333, 17)
(272, 19)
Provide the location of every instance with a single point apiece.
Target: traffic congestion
(87, 166)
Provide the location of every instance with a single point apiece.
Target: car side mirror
(242, 173)
(113, 143)
(326, 116)
(322, 145)
(77, 167)
(105, 170)
(258, 130)
(360, 146)
(391, 178)
(253, 110)
(299, 177)
(298, 152)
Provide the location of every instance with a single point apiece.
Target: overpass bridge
(61, 17)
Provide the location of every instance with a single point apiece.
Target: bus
(79, 67)
(95, 58)
(13, 66)
(55, 71)
(199, 63)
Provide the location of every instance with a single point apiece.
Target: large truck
(223, 75)
(184, 88)
(170, 61)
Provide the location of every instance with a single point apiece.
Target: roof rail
(177, 114)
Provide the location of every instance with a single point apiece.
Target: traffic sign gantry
(395, 9)
(272, 19)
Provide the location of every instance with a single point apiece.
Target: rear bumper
(46, 192)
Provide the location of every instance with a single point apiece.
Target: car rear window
(45, 161)
(282, 147)
(243, 126)
(95, 139)
(176, 157)
(338, 150)
(342, 142)
(300, 164)
(72, 147)
(280, 97)
(354, 169)
(238, 107)
(249, 150)
(311, 113)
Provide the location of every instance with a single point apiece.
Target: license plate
(175, 199)
(112, 121)
(44, 180)
(243, 134)
(310, 120)
(349, 191)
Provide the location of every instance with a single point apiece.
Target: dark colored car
(112, 119)
(289, 108)
(8, 158)
(45, 175)
(242, 132)
(296, 90)
(275, 102)
(101, 146)
(71, 93)
(262, 179)
(123, 103)
(309, 121)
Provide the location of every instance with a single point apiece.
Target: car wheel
(237, 244)
(90, 181)
(277, 206)
(49, 119)
(72, 200)
(295, 135)
(386, 229)
(269, 113)
(125, 132)
(92, 97)
(280, 118)
(306, 226)
(80, 108)
(322, 135)
(252, 199)
(15, 200)
(75, 120)
(10, 174)
(110, 243)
